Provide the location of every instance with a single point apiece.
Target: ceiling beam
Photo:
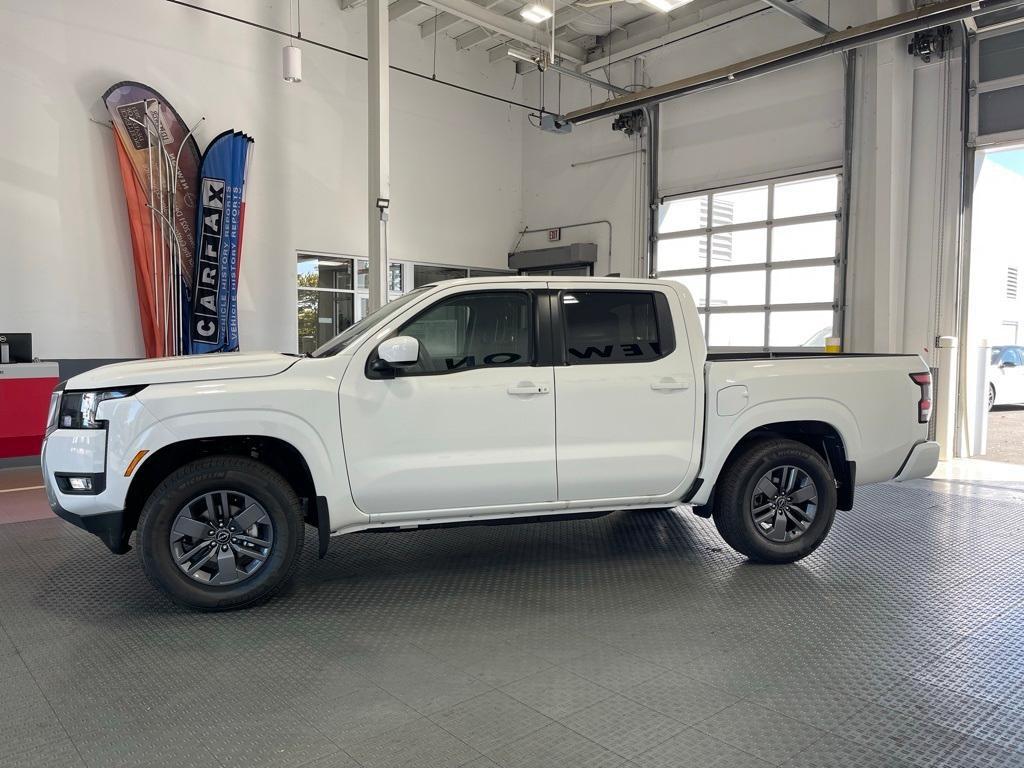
(794, 11)
(444, 20)
(640, 36)
(400, 8)
(563, 17)
(928, 17)
(534, 36)
(471, 38)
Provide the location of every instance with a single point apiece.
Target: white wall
(65, 259)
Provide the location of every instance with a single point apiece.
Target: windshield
(997, 352)
(350, 334)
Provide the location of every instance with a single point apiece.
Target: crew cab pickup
(473, 401)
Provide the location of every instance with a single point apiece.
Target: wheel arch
(280, 455)
(822, 437)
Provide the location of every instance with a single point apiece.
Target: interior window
(473, 330)
(610, 327)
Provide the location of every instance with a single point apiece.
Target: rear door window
(613, 327)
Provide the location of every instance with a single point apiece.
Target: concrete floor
(635, 639)
(1006, 434)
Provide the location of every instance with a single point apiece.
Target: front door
(470, 425)
(626, 397)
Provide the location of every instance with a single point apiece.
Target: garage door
(763, 261)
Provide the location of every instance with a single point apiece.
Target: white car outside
(1006, 376)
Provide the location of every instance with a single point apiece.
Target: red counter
(25, 390)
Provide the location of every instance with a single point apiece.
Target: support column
(879, 216)
(379, 136)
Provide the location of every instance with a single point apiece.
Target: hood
(169, 370)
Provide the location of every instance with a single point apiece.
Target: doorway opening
(994, 388)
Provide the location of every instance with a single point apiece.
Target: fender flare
(824, 410)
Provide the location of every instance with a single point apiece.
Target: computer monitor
(15, 347)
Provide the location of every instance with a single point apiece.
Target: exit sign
(554, 235)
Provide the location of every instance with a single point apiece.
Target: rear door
(625, 393)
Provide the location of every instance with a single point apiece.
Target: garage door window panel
(683, 215)
(803, 285)
(736, 329)
(805, 197)
(477, 330)
(807, 330)
(738, 289)
(739, 206)
(682, 253)
(814, 240)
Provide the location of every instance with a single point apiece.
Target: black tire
(218, 473)
(991, 396)
(735, 492)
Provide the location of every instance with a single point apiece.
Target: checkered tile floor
(632, 640)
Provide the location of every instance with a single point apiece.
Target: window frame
(535, 349)
(662, 316)
(768, 266)
(983, 87)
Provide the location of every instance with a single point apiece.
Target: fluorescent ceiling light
(666, 5)
(535, 13)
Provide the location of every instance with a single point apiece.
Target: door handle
(670, 385)
(528, 388)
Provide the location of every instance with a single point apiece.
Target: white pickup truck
(473, 401)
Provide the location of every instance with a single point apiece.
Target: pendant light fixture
(291, 55)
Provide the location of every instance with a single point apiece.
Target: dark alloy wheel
(775, 501)
(222, 537)
(784, 503)
(219, 533)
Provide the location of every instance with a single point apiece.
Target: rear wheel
(776, 501)
(219, 533)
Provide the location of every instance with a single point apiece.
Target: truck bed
(869, 400)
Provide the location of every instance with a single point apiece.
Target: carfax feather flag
(220, 213)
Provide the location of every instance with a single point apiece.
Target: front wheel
(991, 396)
(776, 501)
(219, 533)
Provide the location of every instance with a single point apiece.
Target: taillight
(924, 405)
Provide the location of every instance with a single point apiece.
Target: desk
(24, 401)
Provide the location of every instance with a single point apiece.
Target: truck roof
(513, 279)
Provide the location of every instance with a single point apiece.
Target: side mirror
(1008, 364)
(399, 351)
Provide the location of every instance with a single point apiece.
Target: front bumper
(108, 526)
(921, 462)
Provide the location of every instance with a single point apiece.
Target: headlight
(78, 409)
(51, 415)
